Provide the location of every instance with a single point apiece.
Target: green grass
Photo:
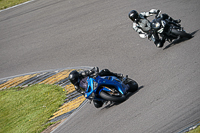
(9, 3)
(27, 110)
(196, 130)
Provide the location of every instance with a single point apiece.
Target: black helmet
(74, 77)
(133, 15)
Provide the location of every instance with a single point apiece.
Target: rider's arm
(145, 14)
(86, 73)
(137, 29)
(150, 13)
(83, 74)
(156, 12)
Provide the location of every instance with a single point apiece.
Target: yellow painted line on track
(15, 81)
(69, 88)
(57, 77)
(68, 107)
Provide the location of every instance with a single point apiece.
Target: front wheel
(181, 33)
(98, 104)
(110, 97)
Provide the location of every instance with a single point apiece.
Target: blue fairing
(90, 87)
(93, 85)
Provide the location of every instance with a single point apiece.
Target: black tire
(108, 97)
(133, 85)
(181, 33)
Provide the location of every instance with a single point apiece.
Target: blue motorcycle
(102, 89)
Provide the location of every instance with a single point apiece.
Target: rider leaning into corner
(142, 25)
(79, 79)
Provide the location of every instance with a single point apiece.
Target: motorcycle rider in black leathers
(142, 25)
(79, 80)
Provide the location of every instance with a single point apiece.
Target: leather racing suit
(143, 26)
(82, 84)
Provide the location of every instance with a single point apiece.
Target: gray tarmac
(43, 35)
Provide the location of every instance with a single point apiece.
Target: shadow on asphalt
(111, 104)
(180, 40)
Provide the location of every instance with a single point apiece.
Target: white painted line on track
(17, 5)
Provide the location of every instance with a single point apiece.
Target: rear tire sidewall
(108, 97)
(181, 33)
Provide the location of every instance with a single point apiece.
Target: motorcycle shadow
(111, 104)
(180, 40)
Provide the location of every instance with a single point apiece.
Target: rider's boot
(106, 72)
(173, 20)
(176, 21)
(119, 75)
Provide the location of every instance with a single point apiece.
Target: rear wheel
(133, 85)
(181, 33)
(110, 97)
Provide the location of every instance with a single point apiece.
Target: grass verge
(27, 110)
(196, 130)
(9, 3)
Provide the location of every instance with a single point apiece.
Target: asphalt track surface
(49, 34)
